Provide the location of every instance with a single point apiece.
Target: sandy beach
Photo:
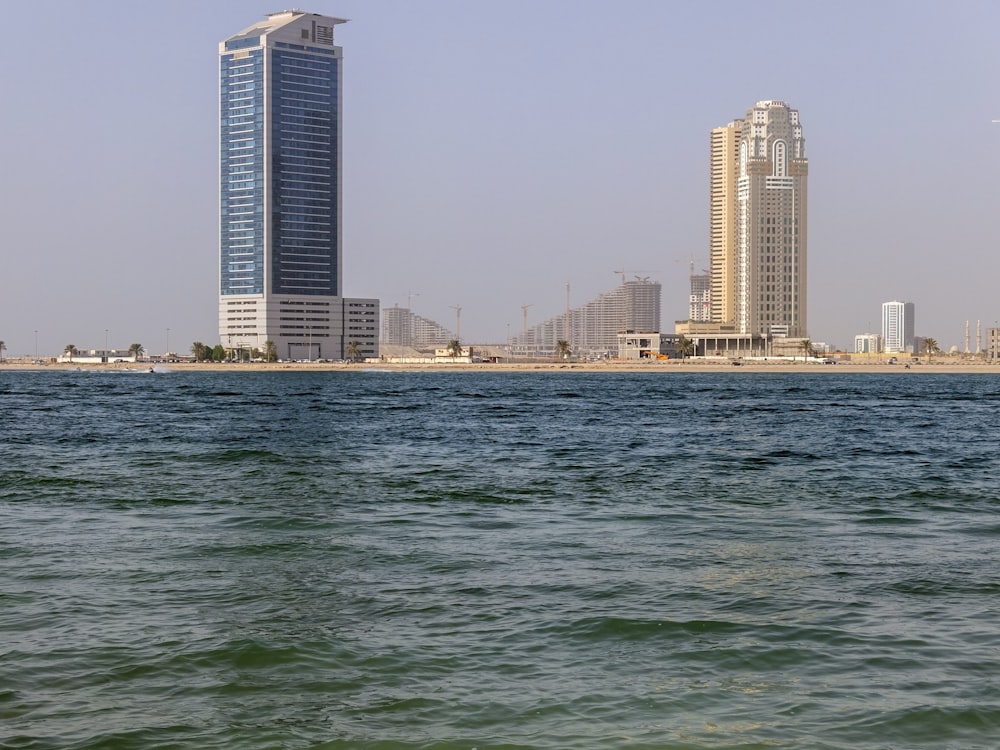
(943, 366)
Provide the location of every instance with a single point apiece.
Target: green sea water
(384, 560)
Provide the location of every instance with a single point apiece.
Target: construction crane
(636, 274)
(566, 332)
(686, 260)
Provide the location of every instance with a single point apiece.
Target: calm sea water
(510, 560)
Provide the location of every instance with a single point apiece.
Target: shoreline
(671, 367)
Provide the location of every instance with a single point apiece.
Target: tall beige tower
(758, 222)
(725, 148)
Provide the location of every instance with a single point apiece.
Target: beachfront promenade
(946, 364)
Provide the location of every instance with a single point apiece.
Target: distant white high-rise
(897, 326)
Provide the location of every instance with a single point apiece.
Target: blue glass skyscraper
(280, 253)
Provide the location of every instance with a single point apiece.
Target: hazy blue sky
(494, 151)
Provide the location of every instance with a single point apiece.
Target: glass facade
(241, 176)
(304, 168)
(279, 119)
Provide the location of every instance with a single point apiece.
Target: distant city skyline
(502, 166)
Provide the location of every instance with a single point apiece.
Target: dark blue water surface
(499, 560)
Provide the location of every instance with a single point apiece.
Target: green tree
(70, 349)
(563, 349)
(685, 346)
(807, 349)
(353, 351)
(135, 350)
(454, 348)
(201, 351)
(218, 353)
(930, 347)
(270, 351)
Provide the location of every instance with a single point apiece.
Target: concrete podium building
(280, 193)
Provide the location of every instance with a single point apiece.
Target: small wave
(947, 726)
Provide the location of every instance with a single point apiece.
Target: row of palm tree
(204, 353)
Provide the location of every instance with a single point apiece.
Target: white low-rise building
(97, 357)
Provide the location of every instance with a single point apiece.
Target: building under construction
(401, 327)
(591, 331)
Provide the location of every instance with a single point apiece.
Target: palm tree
(685, 346)
(930, 347)
(353, 351)
(807, 348)
(135, 350)
(563, 349)
(70, 349)
(454, 348)
(270, 351)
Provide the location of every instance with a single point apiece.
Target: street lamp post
(107, 348)
(36, 343)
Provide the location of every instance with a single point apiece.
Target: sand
(940, 366)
